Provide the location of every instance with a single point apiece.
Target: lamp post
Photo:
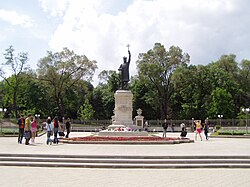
(220, 116)
(192, 126)
(246, 110)
(37, 116)
(3, 110)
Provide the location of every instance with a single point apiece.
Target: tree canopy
(166, 86)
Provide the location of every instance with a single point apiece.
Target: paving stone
(35, 176)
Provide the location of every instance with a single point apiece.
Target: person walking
(198, 129)
(68, 126)
(146, 126)
(165, 127)
(49, 128)
(33, 130)
(57, 126)
(21, 123)
(183, 130)
(27, 129)
(206, 128)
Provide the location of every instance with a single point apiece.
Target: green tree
(86, 111)
(32, 96)
(103, 95)
(225, 74)
(194, 85)
(16, 65)
(110, 80)
(192, 88)
(142, 100)
(61, 71)
(244, 86)
(222, 103)
(155, 69)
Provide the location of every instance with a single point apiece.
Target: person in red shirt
(57, 126)
(33, 130)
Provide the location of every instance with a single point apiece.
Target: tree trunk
(15, 102)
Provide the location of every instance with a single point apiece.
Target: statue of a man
(124, 69)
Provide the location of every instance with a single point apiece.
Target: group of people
(54, 128)
(28, 128)
(198, 128)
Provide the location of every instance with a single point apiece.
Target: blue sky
(101, 29)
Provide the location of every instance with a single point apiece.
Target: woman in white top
(49, 128)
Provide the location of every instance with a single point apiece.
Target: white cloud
(204, 29)
(54, 7)
(15, 19)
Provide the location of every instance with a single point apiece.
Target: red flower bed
(128, 138)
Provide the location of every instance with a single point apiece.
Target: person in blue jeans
(165, 127)
(49, 129)
(57, 126)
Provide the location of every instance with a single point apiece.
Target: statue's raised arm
(124, 69)
(129, 56)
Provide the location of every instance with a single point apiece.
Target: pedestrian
(49, 128)
(198, 129)
(165, 127)
(206, 128)
(183, 130)
(68, 126)
(21, 123)
(172, 127)
(27, 129)
(33, 130)
(146, 126)
(57, 126)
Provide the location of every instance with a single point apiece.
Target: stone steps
(109, 161)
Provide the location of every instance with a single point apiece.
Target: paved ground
(26, 176)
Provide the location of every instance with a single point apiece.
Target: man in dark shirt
(21, 122)
(165, 127)
(68, 125)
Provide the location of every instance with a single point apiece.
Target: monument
(123, 98)
(122, 123)
(124, 69)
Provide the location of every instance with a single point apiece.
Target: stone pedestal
(123, 108)
(139, 118)
(139, 121)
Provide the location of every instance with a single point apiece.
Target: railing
(156, 125)
(153, 125)
(92, 122)
(212, 122)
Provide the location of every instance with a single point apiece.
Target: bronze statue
(124, 69)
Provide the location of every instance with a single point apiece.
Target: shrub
(231, 132)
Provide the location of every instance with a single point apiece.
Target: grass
(9, 130)
(13, 131)
(230, 132)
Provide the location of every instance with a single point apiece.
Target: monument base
(132, 127)
(122, 133)
(123, 108)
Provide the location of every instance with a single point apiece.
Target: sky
(101, 29)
